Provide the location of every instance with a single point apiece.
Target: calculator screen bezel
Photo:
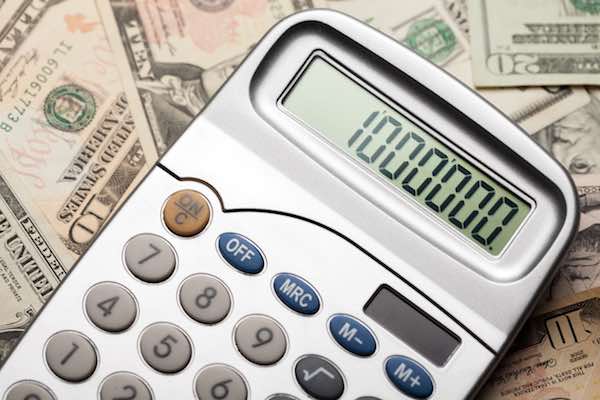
(420, 123)
(284, 63)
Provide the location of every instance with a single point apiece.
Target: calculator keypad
(200, 285)
(150, 258)
(260, 339)
(110, 307)
(165, 348)
(319, 377)
(205, 299)
(71, 356)
(124, 385)
(220, 382)
(29, 390)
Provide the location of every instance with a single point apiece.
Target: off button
(186, 213)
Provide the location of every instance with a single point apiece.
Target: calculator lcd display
(406, 156)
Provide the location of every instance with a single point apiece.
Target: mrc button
(352, 335)
(186, 213)
(409, 377)
(241, 253)
(296, 293)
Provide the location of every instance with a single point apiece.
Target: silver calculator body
(310, 276)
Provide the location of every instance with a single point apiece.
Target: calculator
(344, 220)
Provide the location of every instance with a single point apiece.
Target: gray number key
(71, 356)
(205, 299)
(220, 382)
(260, 339)
(124, 386)
(29, 390)
(165, 348)
(150, 258)
(110, 307)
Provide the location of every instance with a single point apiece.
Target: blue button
(352, 335)
(409, 377)
(296, 293)
(241, 253)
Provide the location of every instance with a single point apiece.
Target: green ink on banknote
(432, 39)
(69, 108)
(587, 6)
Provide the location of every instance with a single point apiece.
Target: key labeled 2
(124, 386)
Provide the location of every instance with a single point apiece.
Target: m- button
(186, 213)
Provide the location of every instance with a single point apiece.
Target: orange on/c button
(186, 213)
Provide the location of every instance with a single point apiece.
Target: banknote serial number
(35, 86)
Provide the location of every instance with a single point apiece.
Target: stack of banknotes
(93, 92)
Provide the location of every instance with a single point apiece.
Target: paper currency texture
(69, 149)
(556, 355)
(535, 42)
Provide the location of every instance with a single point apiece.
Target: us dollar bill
(32, 264)
(459, 11)
(172, 66)
(589, 198)
(535, 42)
(68, 136)
(428, 31)
(435, 30)
(70, 152)
(533, 108)
(574, 140)
(580, 271)
(556, 356)
(175, 55)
